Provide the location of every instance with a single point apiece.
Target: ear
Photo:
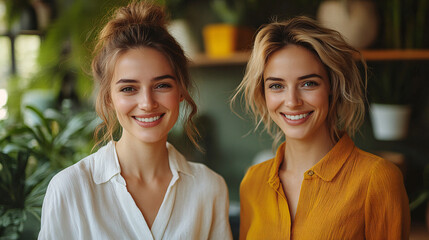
(182, 97)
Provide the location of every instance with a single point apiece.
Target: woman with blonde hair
(302, 82)
(139, 186)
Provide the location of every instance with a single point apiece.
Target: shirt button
(310, 173)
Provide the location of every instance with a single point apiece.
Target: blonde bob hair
(140, 24)
(347, 100)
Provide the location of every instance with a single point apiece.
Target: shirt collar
(327, 168)
(106, 163)
(177, 161)
(273, 179)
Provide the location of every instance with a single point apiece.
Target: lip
(295, 122)
(149, 123)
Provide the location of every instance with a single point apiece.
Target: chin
(296, 135)
(151, 138)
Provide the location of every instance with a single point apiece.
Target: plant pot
(181, 31)
(244, 41)
(390, 122)
(356, 20)
(220, 40)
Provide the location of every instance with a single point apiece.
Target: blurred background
(46, 91)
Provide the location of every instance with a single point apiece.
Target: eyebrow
(159, 78)
(310, 76)
(299, 78)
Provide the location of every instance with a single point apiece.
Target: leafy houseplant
(22, 187)
(231, 32)
(32, 150)
(423, 195)
(404, 25)
(395, 85)
(179, 25)
(48, 136)
(65, 52)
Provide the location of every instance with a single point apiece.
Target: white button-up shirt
(89, 200)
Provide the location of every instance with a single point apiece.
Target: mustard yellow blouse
(348, 194)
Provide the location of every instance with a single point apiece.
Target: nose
(147, 100)
(293, 98)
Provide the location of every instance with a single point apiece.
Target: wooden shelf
(241, 58)
(419, 232)
(386, 55)
(238, 58)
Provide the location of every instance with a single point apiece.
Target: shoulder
(196, 174)
(257, 172)
(77, 176)
(380, 170)
(72, 177)
(205, 176)
(376, 163)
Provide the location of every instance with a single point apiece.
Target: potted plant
(423, 196)
(231, 32)
(27, 14)
(356, 20)
(32, 151)
(179, 26)
(395, 84)
(22, 187)
(65, 52)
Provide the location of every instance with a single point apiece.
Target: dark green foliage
(423, 196)
(22, 187)
(32, 150)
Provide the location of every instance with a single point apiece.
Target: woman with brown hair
(139, 186)
(302, 82)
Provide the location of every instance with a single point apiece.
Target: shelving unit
(385, 55)
(240, 58)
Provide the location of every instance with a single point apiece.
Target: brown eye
(275, 86)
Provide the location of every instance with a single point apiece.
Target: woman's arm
(56, 221)
(220, 224)
(387, 213)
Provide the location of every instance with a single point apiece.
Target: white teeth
(148, 120)
(296, 117)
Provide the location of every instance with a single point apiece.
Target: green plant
(395, 82)
(61, 138)
(403, 27)
(241, 12)
(176, 8)
(65, 53)
(404, 23)
(22, 187)
(423, 196)
(33, 149)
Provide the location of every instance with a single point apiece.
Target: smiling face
(145, 95)
(296, 89)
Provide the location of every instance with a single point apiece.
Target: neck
(302, 154)
(144, 161)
